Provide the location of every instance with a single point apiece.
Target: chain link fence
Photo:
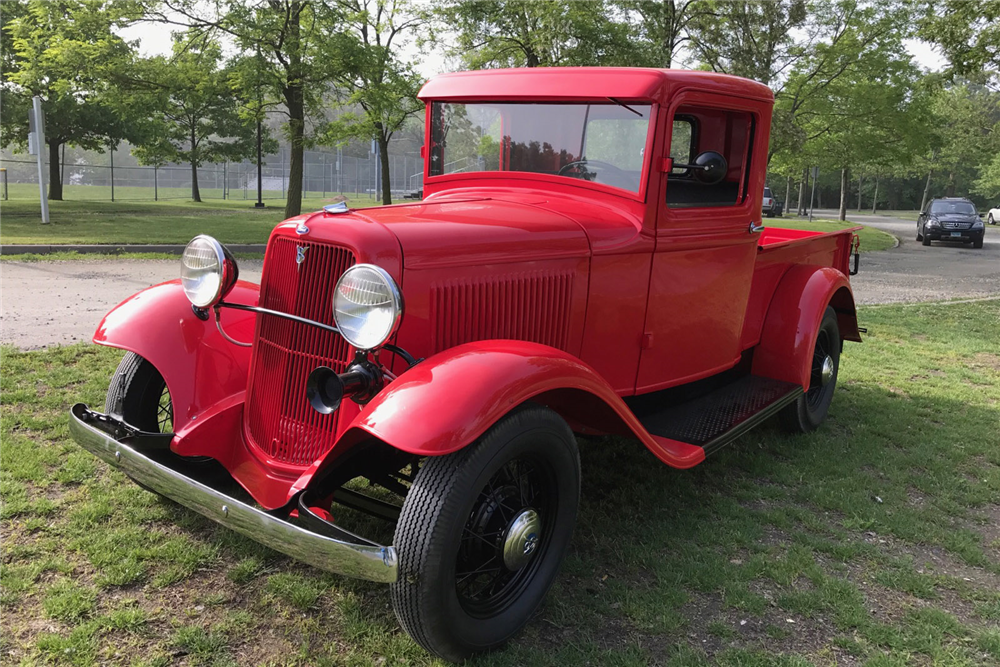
(324, 174)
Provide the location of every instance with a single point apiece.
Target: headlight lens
(367, 306)
(208, 271)
(932, 222)
(977, 224)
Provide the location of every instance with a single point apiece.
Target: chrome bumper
(364, 561)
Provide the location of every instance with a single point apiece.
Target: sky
(154, 39)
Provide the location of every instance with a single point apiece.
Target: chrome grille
(278, 419)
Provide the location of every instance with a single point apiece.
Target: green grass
(871, 239)
(872, 541)
(105, 222)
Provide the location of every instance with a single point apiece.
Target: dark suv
(951, 219)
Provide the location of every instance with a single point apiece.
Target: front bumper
(964, 235)
(163, 474)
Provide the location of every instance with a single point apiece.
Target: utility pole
(36, 146)
(812, 197)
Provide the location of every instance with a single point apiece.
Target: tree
(968, 33)
(295, 45)
(660, 27)
(379, 90)
(749, 39)
(196, 115)
(67, 53)
(536, 33)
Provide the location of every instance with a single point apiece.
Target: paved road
(913, 272)
(47, 303)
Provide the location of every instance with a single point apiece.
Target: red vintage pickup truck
(588, 258)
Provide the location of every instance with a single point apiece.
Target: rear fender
(200, 367)
(448, 400)
(789, 333)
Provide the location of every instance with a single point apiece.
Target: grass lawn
(873, 541)
(871, 238)
(231, 221)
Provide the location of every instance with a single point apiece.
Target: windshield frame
(538, 177)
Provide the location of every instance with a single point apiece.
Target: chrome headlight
(932, 222)
(978, 224)
(208, 271)
(367, 306)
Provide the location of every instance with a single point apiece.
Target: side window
(682, 143)
(698, 130)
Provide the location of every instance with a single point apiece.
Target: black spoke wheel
(138, 395)
(810, 409)
(482, 534)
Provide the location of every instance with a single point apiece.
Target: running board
(715, 419)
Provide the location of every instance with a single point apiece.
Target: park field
(230, 221)
(171, 221)
(873, 541)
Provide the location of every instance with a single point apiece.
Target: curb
(23, 249)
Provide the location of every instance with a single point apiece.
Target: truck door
(706, 247)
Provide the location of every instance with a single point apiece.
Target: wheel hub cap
(522, 539)
(826, 373)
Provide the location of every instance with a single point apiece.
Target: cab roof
(586, 83)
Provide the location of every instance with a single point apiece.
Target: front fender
(448, 400)
(199, 366)
(789, 333)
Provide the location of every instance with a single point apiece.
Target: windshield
(945, 207)
(596, 142)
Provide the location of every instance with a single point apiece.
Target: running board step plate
(715, 419)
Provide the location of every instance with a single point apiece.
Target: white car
(767, 205)
(993, 216)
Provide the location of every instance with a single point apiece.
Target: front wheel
(978, 243)
(990, 219)
(482, 534)
(810, 409)
(138, 395)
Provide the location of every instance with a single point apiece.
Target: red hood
(478, 231)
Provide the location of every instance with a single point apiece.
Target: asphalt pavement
(51, 303)
(914, 272)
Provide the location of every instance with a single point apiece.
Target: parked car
(950, 219)
(769, 204)
(603, 271)
(993, 215)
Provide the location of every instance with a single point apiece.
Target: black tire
(527, 460)
(977, 244)
(810, 409)
(989, 219)
(925, 239)
(138, 395)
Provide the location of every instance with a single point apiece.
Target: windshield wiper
(622, 104)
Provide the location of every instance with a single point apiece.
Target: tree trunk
(295, 104)
(195, 190)
(927, 190)
(803, 184)
(950, 190)
(788, 194)
(859, 194)
(844, 180)
(383, 158)
(875, 198)
(55, 175)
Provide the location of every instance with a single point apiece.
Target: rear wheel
(482, 534)
(990, 219)
(810, 409)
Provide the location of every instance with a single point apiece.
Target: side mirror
(709, 167)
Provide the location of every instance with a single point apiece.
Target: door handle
(754, 228)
